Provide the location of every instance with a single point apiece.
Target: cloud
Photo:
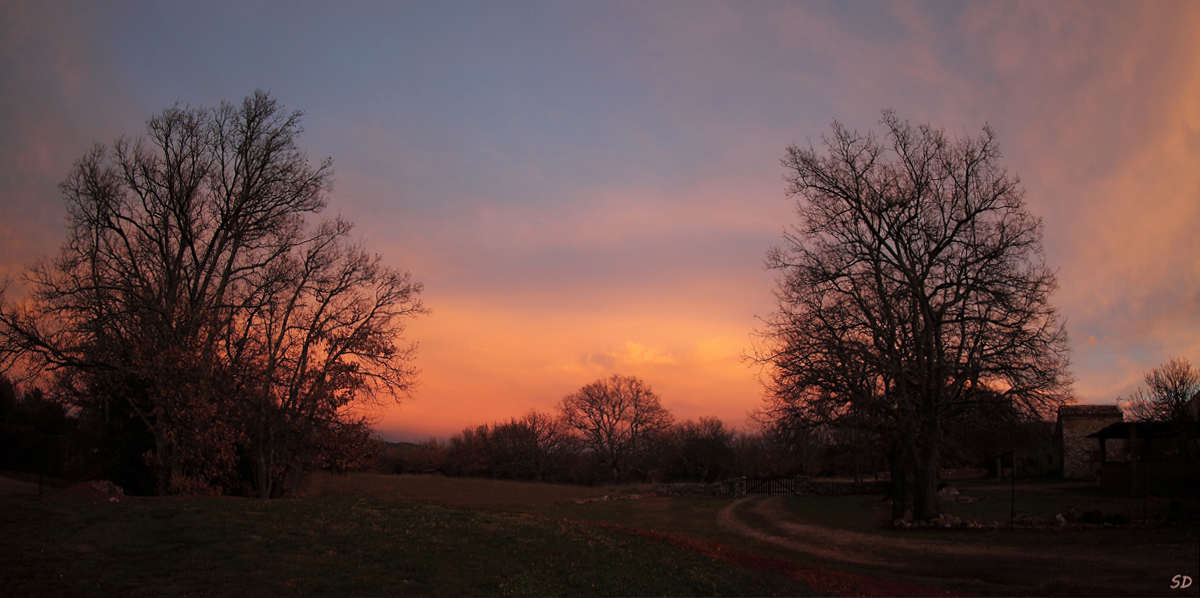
(589, 188)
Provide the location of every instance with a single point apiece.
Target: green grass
(694, 517)
(340, 546)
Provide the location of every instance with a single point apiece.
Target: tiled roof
(1089, 410)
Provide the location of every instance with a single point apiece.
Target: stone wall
(1081, 454)
(809, 486)
(834, 488)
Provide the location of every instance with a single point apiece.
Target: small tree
(1169, 387)
(1171, 390)
(617, 417)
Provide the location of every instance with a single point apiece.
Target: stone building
(1082, 456)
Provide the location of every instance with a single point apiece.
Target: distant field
(341, 547)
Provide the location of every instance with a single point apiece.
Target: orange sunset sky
(587, 188)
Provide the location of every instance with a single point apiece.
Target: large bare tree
(913, 288)
(193, 290)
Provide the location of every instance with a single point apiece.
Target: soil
(1101, 569)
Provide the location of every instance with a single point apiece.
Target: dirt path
(836, 544)
(1030, 569)
(11, 488)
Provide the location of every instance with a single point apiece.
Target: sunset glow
(589, 188)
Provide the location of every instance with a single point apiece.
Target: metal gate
(770, 486)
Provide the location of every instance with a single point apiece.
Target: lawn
(341, 546)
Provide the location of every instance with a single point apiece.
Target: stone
(107, 487)
(948, 493)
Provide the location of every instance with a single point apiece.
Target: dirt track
(11, 488)
(1095, 570)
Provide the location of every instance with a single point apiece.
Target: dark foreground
(341, 547)
(429, 535)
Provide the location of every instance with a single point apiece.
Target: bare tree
(1169, 387)
(1171, 395)
(617, 417)
(913, 288)
(192, 289)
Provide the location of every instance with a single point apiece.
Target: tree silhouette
(617, 417)
(1169, 387)
(912, 289)
(193, 290)
(1172, 395)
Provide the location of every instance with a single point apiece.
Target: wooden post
(1012, 514)
(1133, 459)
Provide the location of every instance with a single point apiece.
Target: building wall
(1081, 455)
(1038, 459)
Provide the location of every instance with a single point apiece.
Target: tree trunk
(176, 463)
(299, 472)
(161, 466)
(265, 464)
(263, 475)
(925, 472)
(899, 486)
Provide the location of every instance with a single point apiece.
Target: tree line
(616, 430)
(612, 430)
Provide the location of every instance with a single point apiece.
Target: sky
(589, 188)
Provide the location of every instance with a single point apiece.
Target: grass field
(370, 534)
(341, 547)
